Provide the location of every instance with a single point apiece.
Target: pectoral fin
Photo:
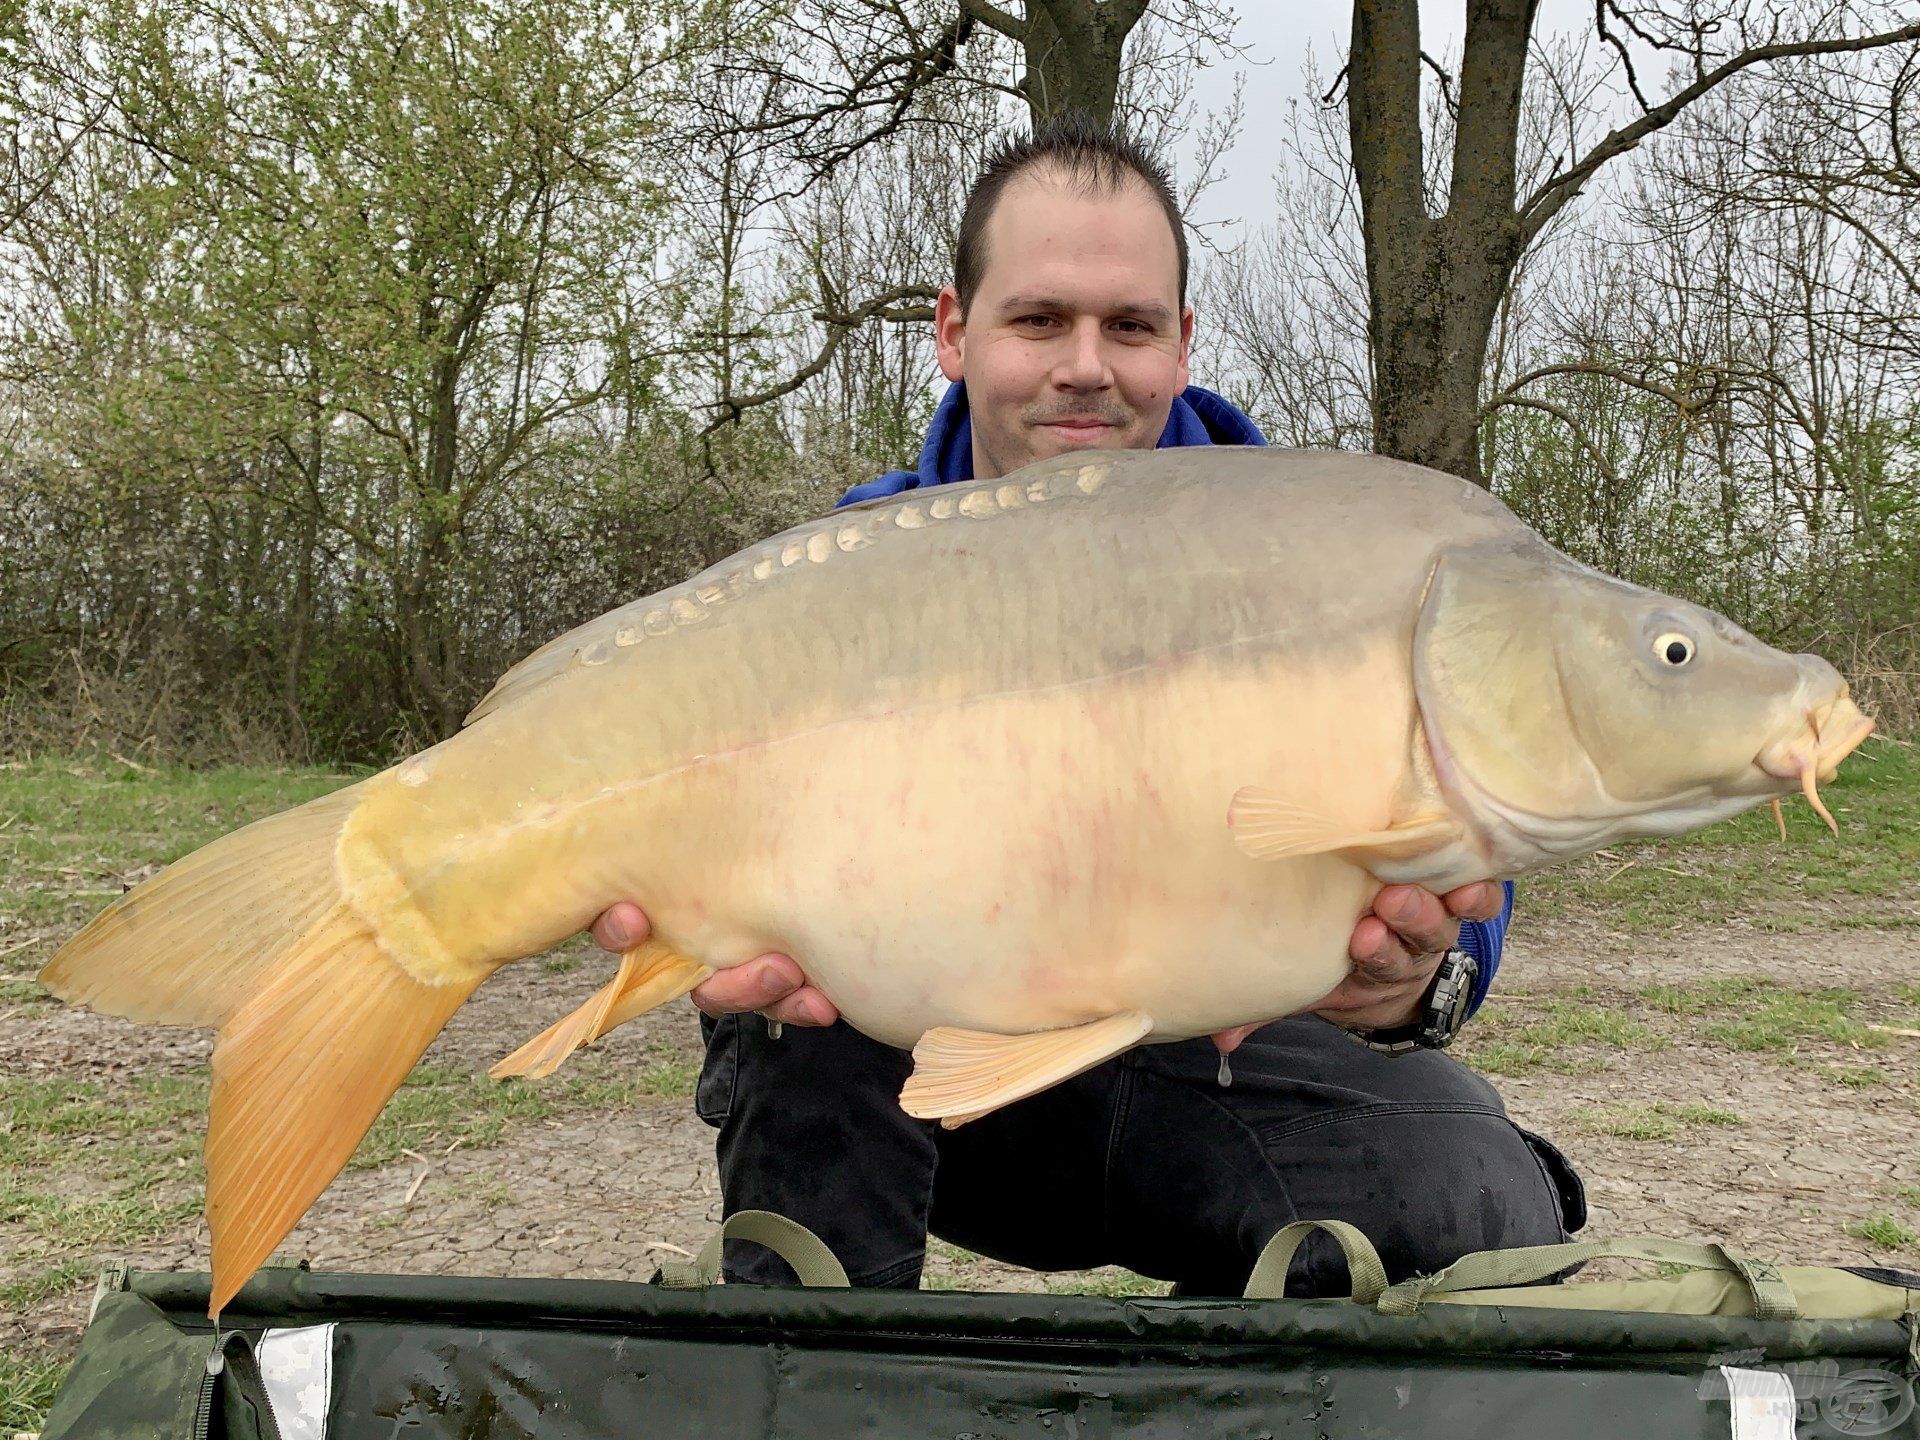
(960, 1075)
(1268, 827)
(650, 975)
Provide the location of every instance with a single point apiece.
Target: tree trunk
(300, 613)
(1073, 51)
(1435, 283)
(1432, 314)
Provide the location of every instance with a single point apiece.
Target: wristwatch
(1446, 1010)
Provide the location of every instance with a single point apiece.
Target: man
(1067, 328)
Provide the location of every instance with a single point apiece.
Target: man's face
(1075, 339)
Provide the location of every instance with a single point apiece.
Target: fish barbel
(1026, 771)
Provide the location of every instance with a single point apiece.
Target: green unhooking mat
(1730, 1348)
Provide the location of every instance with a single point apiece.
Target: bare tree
(1439, 259)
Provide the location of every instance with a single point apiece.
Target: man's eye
(1037, 322)
(1133, 327)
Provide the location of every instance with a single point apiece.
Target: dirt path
(1809, 1156)
(607, 1192)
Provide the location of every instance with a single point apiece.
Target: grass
(1556, 1034)
(1756, 1015)
(1763, 1015)
(1662, 1120)
(27, 1387)
(1112, 1281)
(1698, 997)
(1783, 1022)
(92, 1222)
(91, 1166)
(443, 1108)
(91, 1169)
(1885, 1232)
(1739, 869)
(72, 833)
(141, 1132)
(1854, 1077)
(40, 1120)
(32, 1288)
(491, 1191)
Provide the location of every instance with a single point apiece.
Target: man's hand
(771, 983)
(1395, 949)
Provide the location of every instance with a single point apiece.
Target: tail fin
(187, 945)
(299, 1074)
(319, 1024)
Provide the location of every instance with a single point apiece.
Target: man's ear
(1186, 344)
(950, 334)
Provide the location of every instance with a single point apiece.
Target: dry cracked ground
(1722, 1037)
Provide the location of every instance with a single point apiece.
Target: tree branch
(1446, 83)
(1688, 402)
(1547, 201)
(994, 18)
(1565, 417)
(916, 68)
(1383, 94)
(840, 324)
(1487, 137)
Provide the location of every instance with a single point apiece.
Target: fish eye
(1674, 648)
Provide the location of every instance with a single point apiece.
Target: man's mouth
(1079, 427)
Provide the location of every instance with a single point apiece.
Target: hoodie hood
(1198, 417)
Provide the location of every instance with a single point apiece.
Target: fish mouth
(1811, 756)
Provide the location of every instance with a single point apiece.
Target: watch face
(1452, 994)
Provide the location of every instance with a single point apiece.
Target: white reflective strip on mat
(297, 1366)
(1763, 1404)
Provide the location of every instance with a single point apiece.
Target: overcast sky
(1277, 34)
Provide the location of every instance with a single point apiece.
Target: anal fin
(960, 1075)
(650, 975)
(1267, 826)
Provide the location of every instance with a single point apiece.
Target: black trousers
(1145, 1161)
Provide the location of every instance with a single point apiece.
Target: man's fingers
(771, 984)
(1378, 953)
(1418, 917)
(1482, 900)
(806, 1006)
(1228, 1041)
(621, 928)
(752, 986)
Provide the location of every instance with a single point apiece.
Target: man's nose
(1082, 363)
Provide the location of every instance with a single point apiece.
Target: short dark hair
(1085, 152)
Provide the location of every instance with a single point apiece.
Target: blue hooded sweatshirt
(1198, 417)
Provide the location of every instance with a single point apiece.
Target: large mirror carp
(1024, 771)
